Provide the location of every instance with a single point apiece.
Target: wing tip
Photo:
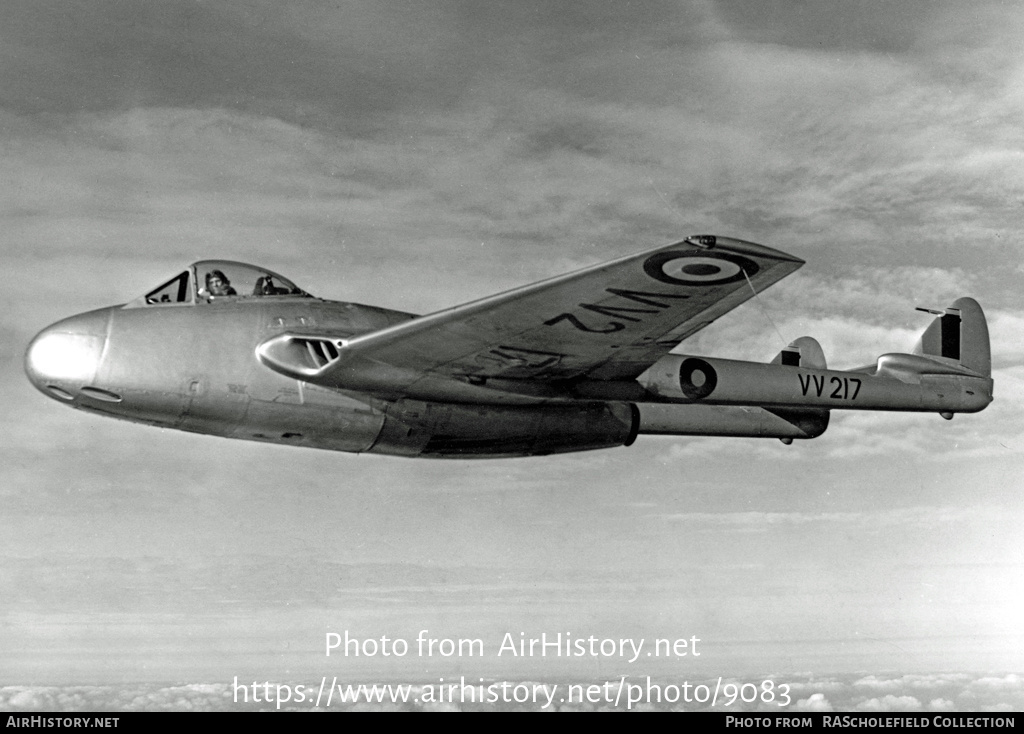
(730, 244)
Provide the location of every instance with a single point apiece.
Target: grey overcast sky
(419, 155)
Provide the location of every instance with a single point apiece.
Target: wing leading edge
(606, 322)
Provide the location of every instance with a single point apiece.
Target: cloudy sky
(419, 155)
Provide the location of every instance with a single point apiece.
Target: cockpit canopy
(217, 281)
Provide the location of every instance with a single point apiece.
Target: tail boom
(899, 382)
(672, 419)
(949, 372)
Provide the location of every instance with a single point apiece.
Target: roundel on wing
(697, 378)
(699, 268)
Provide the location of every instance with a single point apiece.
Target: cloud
(420, 158)
(923, 518)
(815, 702)
(512, 155)
(959, 692)
(998, 684)
(1005, 329)
(890, 703)
(845, 694)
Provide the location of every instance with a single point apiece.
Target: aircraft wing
(605, 322)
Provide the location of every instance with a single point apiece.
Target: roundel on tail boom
(697, 378)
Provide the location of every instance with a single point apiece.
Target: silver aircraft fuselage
(191, 364)
(577, 362)
(195, 369)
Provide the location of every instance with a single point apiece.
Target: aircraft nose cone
(64, 357)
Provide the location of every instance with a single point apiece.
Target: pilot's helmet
(216, 274)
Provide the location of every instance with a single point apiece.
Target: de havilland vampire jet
(580, 361)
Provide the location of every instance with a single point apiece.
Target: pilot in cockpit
(217, 284)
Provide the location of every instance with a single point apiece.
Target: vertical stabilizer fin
(804, 352)
(958, 333)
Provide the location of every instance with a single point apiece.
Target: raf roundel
(697, 378)
(686, 268)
